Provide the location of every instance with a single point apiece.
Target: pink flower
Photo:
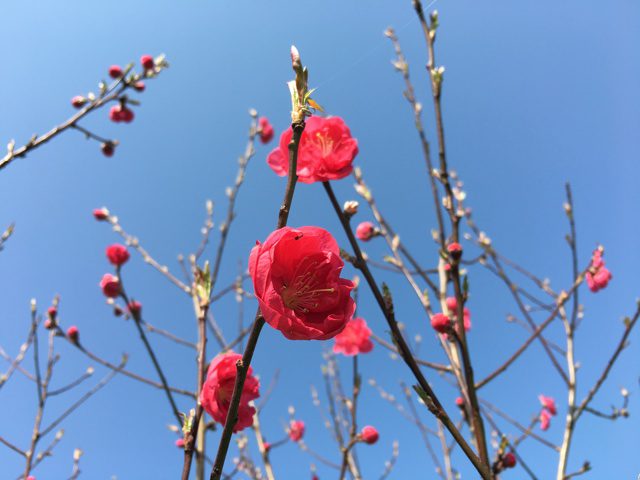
(296, 430)
(598, 276)
(31, 477)
(509, 460)
(49, 324)
(147, 62)
(73, 333)
(365, 231)
(452, 306)
(115, 71)
(296, 278)
(354, 339)
(548, 403)
(78, 101)
(218, 389)
(101, 214)
(326, 151)
(440, 323)
(180, 443)
(117, 254)
(369, 435)
(265, 129)
(135, 308)
(139, 86)
(52, 312)
(107, 149)
(545, 419)
(110, 285)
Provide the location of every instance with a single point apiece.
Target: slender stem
(81, 400)
(629, 324)
(435, 407)
(264, 453)
(143, 336)
(409, 94)
(191, 436)
(539, 329)
(130, 374)
(244, 364)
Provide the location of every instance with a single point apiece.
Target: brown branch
(244, 364)
(386, 307)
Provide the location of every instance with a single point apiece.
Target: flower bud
(115, 71)
(73, 334)
(369, 435)
(101, 214)
(440, 322)
(147, 62)
(78, 101)
(365, 231)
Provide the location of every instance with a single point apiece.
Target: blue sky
(535, 94)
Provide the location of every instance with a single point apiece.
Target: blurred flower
(354, 339)
(365, 231)
(117, 254)
(369, 435)
(265, 129)
(296, 430)
(110, 285)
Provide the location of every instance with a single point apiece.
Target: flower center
(303, 294)
(325, 143)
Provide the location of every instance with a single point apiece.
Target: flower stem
(258, 323)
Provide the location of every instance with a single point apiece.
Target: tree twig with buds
(299, 98)
(432, 402)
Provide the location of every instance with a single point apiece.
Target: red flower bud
(107, 150)
(126, 115)
(52, 312)
(365, 231)
(369, 435)
(139, 86)
(147, 62)
(49, 324)
(115, 71)
(135, 308)
(267, 446)
(549, 404)
(117, 254)
(73, 334)
(266, 130)
(455, 249)
(460, 402)
(179, 443)
(296, 430)
(440, 323)
(509, 460)
(110, 285)
(78, 101)
(115, 113)
(101, 214)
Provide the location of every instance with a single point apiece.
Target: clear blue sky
(536, 93)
